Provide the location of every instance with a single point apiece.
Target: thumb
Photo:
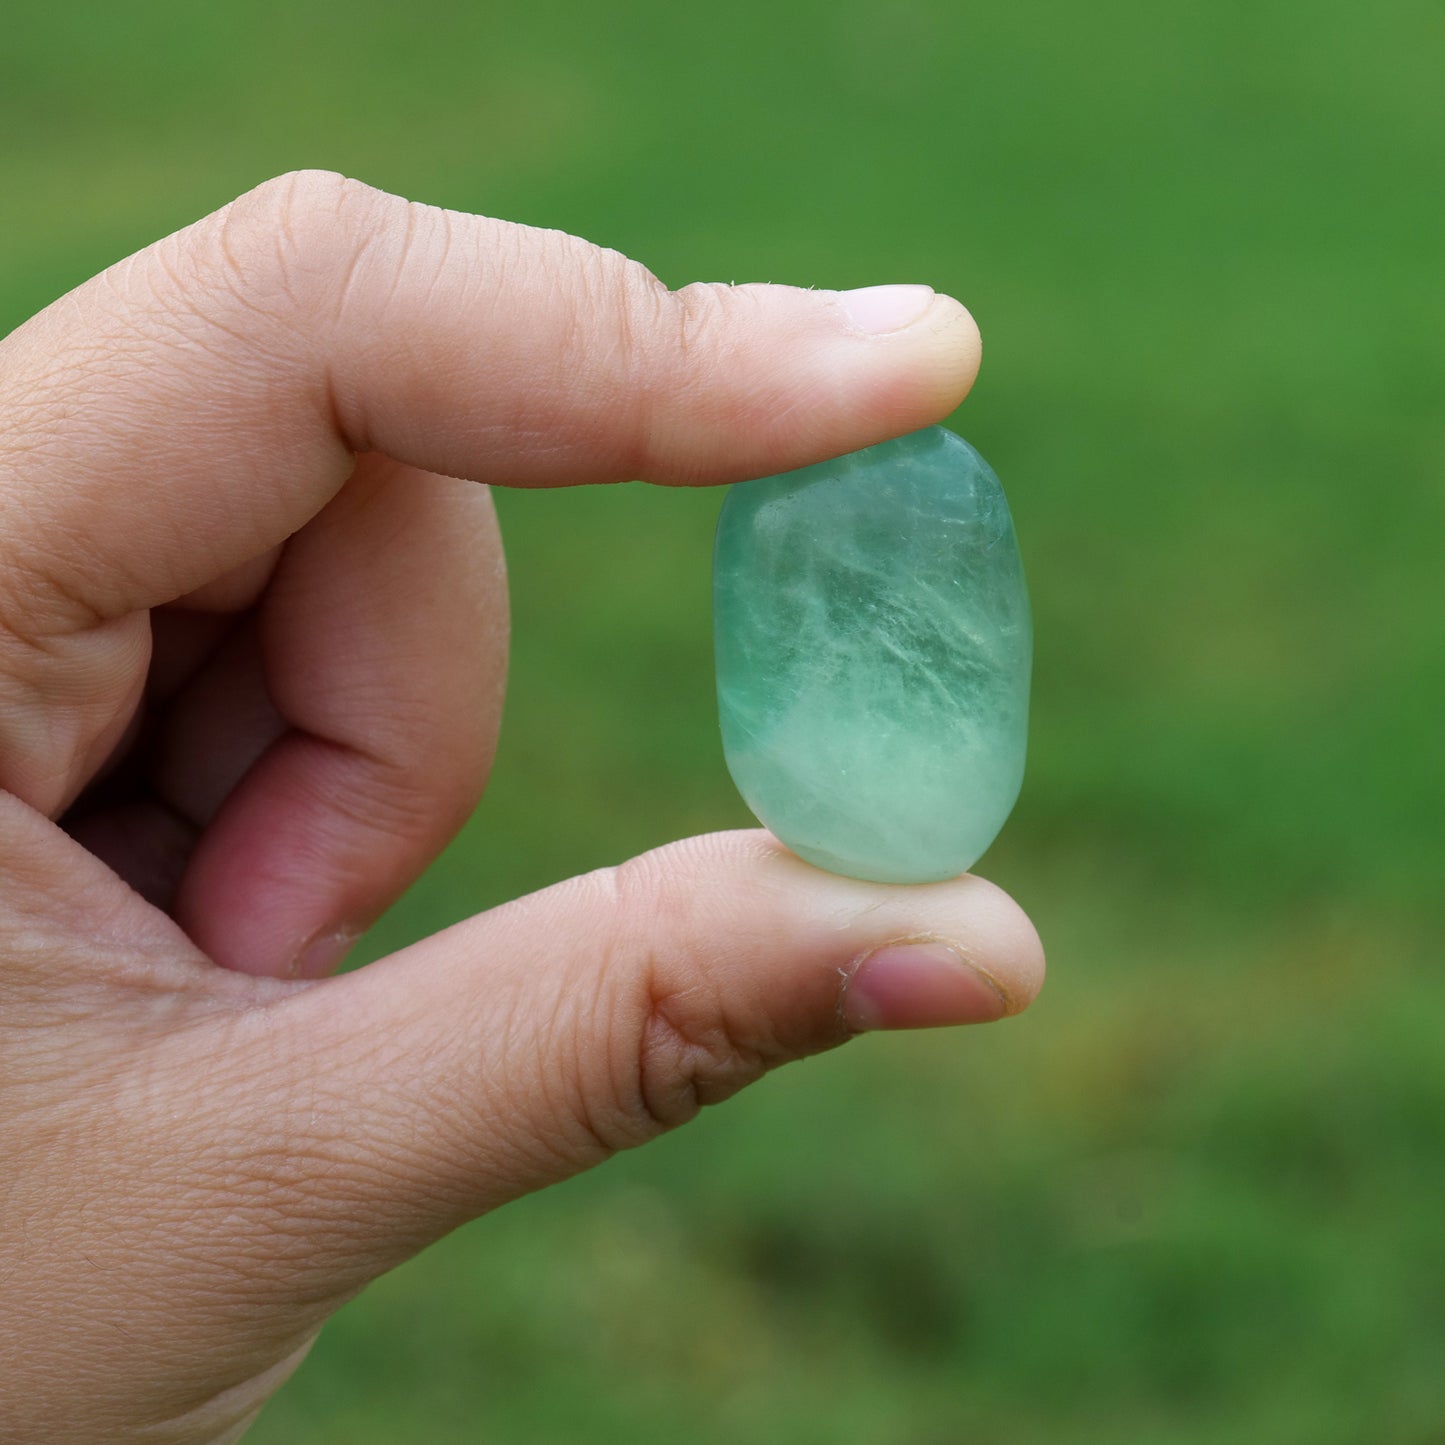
(531, 1042)
(259, 1150)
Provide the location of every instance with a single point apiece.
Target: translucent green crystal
(873, 654)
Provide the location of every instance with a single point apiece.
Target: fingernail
(919, 986)
(323, 952)
(877, 310)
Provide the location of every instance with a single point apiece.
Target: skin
(252, 650)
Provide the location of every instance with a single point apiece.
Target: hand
(252, 646)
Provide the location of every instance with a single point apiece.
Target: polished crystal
(873, 656)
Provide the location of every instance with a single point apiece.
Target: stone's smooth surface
(873, 655)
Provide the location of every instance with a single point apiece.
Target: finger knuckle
(291, 243)
(619, 324)
(697, 311)
(674, 1046)
(610, 288)
(676, 374)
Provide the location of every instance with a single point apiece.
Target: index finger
(199, 402)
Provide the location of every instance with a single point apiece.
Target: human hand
(252, 647)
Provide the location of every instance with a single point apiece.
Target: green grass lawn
(1195, 1195)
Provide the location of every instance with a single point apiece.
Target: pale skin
(253, 637)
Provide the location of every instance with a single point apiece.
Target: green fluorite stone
(873, 654)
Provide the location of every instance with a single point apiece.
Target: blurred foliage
(1194, 1196)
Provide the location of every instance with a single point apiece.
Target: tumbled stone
(873, 655)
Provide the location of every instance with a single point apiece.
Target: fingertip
(773, 377)
(1004, 943)
(960, 951)
(914, 356)
(956, 333)
(929, 934)
(877, 312)
(885, 310)
(918, 985)
(936, 360)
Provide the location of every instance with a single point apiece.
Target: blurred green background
(1196, 1194)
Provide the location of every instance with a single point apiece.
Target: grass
(1193, 1197)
